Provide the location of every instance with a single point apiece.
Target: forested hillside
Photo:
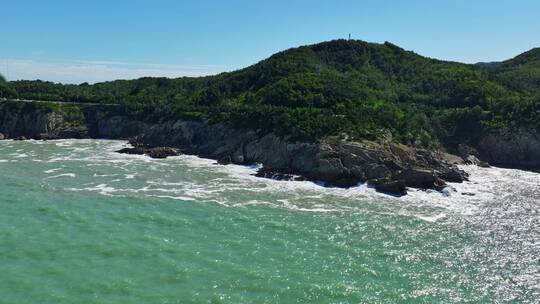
(521, 73)
(348, 89)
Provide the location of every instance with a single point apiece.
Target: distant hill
(492, 64)
(521, 73)
(531, 57)
(349, 89)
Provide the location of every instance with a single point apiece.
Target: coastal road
(59, 102)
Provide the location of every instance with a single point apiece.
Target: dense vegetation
(350, 89)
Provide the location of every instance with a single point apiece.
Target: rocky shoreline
(389, 167)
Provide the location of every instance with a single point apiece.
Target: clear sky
(75, 41)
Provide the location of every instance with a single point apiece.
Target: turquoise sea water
(82, 224)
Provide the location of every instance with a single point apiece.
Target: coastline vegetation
(346, 89)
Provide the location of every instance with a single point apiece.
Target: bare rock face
(466, 150)
(389, 186)
(117, 127)
(134, 150)
(421, 178)
(163, 152)
(470, 156)
(38, 123)
(225, 160)
(452, 175)
(268, 172)
(156, 152)
(515, 149)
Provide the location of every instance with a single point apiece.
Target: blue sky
(77, 41)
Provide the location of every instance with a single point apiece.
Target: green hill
(521, 73)
(349, 89)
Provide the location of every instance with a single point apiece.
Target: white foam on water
(104, 175)
(103, 189)
(181, 198)
(433, 218)
(19, 155)
(254, 203)
(72, 175)
(64, 143)
(52, 170)
(211, 182)
(59, 159)
(466, 198)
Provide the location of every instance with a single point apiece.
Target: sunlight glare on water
(83, 224)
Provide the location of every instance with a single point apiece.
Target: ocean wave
(73, 175)
(52, 170)
(188, 176)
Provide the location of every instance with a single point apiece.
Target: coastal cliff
(388, 166)
(519, 149)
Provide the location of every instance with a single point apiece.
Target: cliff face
(388, 167)
(42, 122)
(29, 124)
(518, 149)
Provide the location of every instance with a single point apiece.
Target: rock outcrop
(520, 149)
(386, 185)
(267, 172)
(389, 167)
(157, 152)
(470, 156)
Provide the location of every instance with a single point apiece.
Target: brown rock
(162, 152)
(421, 178)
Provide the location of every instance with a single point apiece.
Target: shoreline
(451, 189)
(480, 188)
(389, 167)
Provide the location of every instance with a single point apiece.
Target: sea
(80, 223)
